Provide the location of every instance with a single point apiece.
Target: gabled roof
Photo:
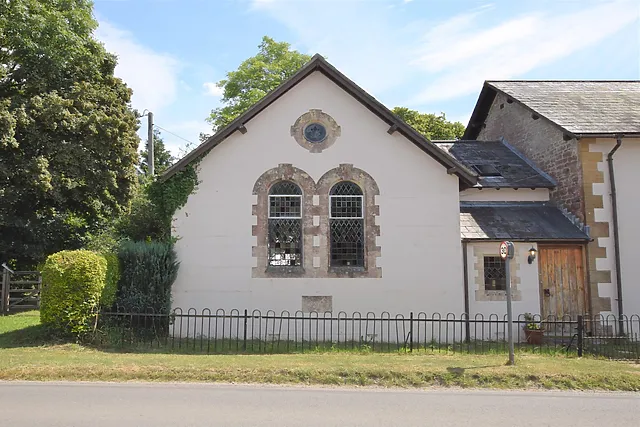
(519, 221)
(511, 169)
(580, 108)
(318, 63)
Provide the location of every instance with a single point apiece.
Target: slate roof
(515, 170)
(580, 108)
(518, 221)
(318, 63)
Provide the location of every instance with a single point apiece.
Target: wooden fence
(20, 290)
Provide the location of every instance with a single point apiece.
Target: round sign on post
(507, 252)
(504, 250)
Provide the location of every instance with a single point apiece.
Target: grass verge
(26, 354)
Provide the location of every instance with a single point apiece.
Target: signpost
(507, 251)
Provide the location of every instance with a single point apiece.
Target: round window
(315, 132)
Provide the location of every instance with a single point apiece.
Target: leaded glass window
(346, 223)
(495, 274)
(285, 225)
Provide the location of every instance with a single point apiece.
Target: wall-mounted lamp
(532, 255)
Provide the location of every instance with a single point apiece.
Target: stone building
(586, 136)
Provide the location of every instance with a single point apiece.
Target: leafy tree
(162, 157)
(430, 125)
(254, 78)
(68, 143)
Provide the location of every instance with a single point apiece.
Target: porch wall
(524, 282)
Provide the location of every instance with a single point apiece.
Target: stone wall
(543, 143)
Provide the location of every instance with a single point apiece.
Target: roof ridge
(319, 63)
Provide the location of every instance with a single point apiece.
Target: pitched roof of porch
(518, 221)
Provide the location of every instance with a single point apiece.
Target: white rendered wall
(525, 287)
(627, 175)
(504, 195)
(419, 215)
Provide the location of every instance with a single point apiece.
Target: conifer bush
(108, 296)
(148, 270)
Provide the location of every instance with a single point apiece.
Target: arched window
(285, 225)
(346, 224)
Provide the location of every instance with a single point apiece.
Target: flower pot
(534, 336)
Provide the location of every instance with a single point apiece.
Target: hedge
(108, 296)
(73, 282)
(148, 269)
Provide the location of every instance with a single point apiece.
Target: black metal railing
(244, 331)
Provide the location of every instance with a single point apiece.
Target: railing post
(244, 340)
(411, 332)
(580, 335)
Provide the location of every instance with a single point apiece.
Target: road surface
(159, 405)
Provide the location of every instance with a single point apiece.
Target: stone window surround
(315, 223)
(481, 294)
(315, 116)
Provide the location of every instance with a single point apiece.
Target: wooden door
(562, 281)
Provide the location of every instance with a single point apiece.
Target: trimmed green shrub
(148, 269)
(108, 296)
(72, 285)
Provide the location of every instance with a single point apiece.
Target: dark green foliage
(68, 142)
(148, 269)
(143, 220)
(150, 213)
(172, 194)
(73, 282)
(108, 296)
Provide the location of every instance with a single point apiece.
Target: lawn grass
(26, 353)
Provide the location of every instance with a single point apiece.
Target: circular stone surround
(315, 131)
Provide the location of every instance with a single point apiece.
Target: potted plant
(533, 330)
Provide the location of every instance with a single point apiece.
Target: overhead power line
(176, 135)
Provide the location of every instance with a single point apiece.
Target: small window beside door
(495, 275)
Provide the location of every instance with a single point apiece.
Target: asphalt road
(159, 405)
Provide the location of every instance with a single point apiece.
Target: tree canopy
(274, 63)
(68, 142)
(432, 126)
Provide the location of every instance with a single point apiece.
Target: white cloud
(355, 36)
(451, 58)
(153, 76)
(462, 57)
(213, 90)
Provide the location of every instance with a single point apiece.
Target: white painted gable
(419, 214)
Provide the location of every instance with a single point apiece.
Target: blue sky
(429, 55)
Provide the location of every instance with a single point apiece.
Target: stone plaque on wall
(319, 304)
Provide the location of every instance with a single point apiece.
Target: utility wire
(176, 135)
